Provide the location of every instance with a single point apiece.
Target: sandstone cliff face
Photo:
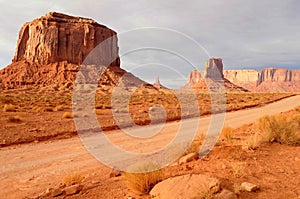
(50, 49)
(58, 37)
(212, 78)
(214, 69)
(266, 80)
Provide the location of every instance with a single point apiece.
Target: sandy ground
(29, 169)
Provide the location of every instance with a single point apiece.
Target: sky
(172, 37)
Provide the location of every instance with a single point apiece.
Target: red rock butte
(50, 50)
(57, 37)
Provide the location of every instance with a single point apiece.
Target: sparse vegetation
(68, 115)
(238, 169)
(282, 128)
(48, 109)
(227, 133)
(252, 142)
(197, 142)
(73, 178)
(59, 108)
(142, 177)
(9, 108)
(14, 119)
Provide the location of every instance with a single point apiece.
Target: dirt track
(31, 168)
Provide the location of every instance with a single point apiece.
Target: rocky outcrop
(266, 80)
(186, 186)
(57, 37)
(212, 79)
(214, 69)
(50, 50)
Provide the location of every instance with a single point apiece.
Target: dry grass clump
(68, 115)
(142, 177)
(196, 144)
(282, 128)
(252, 142)
(227, 133)
(14, 119)
(9, 108)
(59, 108)
(48, 109)
(73, 178)
(238, 169)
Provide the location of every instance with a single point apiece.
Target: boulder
(247, 186)
(186, 187)
(226, 194)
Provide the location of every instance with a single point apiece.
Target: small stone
(188, 158)
(297, 159)
(115, 173)
(56, 192)
(247, 186)
(226, 194)
(74, 189)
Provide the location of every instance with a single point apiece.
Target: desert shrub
(68, 115)
(142, 177)
(9, 108)
(227, 133)
(195, 145)
(59, 108)
(238, 169)
(14, 119)
(73, 178)
(48, 109)
(282, 128)
(252, 142)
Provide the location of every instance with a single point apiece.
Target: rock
(186, 186)
(56, 192)
(246, 186)
(188, 158)
(51, 48)
(157, 83)
(74, 189)
(226, 194)
(115, 173)
(214, 69)
(58, 37)
(266, 80)
(212, 79)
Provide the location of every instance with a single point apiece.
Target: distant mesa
(266, 80)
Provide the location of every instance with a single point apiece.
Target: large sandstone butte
(212, 78)
(57, 37)
(266, 80)
(51, 48)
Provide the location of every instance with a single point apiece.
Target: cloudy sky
(172, 37)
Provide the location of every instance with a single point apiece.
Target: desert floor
(27, 170)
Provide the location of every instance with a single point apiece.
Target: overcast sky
(246, 34)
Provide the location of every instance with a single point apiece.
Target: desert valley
(246, 123)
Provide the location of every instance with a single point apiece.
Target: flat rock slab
(186, 187)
